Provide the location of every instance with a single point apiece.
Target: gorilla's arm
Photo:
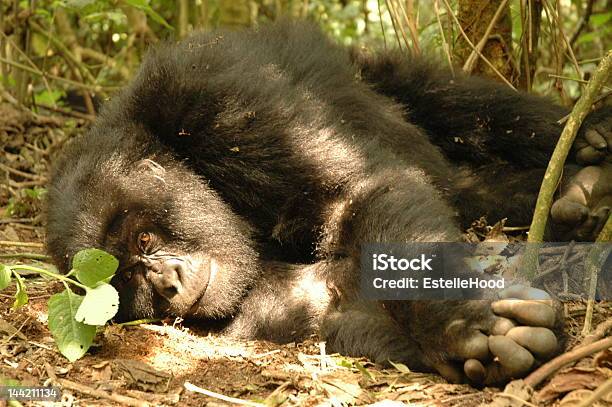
(290, 302)
(471, 117)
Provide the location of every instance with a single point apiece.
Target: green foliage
(47, 97)
(73, 318)
(73, 338)
(93, 266)
(99, 305)
(144, 6)
(27, 202)
(5, 276)
(21, 295)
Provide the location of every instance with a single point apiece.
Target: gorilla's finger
(580, 143)
(475, 371)
(531, 313)
(502, 326)
(605, 129)
(474, 347)
(541, 342)
(568, 212)
(516, 361)
(523, 292)
(595, 139)
(589, 155)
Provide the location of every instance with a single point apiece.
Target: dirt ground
(150, 364)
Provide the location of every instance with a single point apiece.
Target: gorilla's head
(181, 250)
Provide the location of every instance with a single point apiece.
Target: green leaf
(35, 193)
(600, 19)
(8, 382)
(402, 368)
(21, 296)
(73, 338)
(344, 363)
(144, 6)
(93, 266)
(587, 37)
(79, 3)
(365, 372)
(48, 97)
(99, 305)
(5, 276)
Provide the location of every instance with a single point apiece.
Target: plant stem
(48, 274)
(555, 166)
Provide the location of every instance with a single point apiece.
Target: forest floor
(149, 364)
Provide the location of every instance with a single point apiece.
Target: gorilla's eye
(126, 275)
(145, 241)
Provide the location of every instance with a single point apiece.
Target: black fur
(270, 156)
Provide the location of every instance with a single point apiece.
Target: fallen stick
(196, 389)
(117, 398)
(560, 361)
(598, 333)
(597, 394)
(20, 244)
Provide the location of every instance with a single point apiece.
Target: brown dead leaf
(576, 398)
(577, 378)
(141, 375)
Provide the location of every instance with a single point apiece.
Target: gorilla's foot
(513, 336)
(584, 204)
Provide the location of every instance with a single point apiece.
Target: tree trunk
(475, 17)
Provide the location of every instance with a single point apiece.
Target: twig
(67, 112)
(595, 260)
(20, 244)
(584, 20)
(598, 333)
(569, 49)
(444, 42)
(568, 78)
(397, 27)
(27, 256)
(21, 173)
(465, 36)
(557, 363)
(25, 57)
(196, 389)
(59, 45)
(566, 140)
(117, 398)
(17, 220)
(529, 37)
(26, 184)
(382, 26)
(412, 25)
(94, 88)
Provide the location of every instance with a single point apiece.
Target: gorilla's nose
(166, 277)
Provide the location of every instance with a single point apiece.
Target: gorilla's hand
(594, 141)
(516, 333)
(584, 204)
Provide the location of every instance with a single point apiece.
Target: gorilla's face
(181, 249)
(156, 278)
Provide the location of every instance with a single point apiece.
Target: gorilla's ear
(150, 167)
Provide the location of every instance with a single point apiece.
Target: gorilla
(238, 176)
